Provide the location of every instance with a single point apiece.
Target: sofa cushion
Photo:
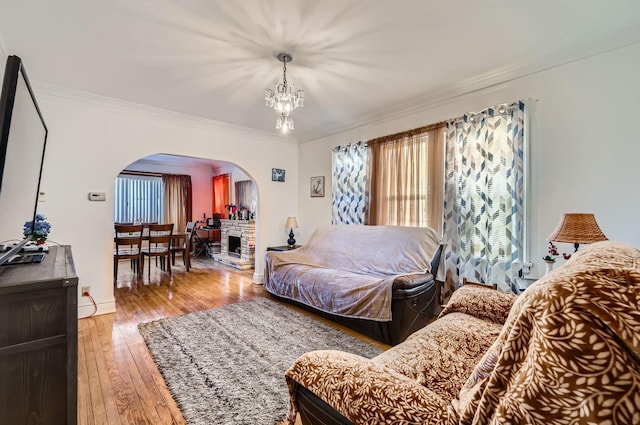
(442, 355)
(365, 392)
(483, 303)
(339, 292)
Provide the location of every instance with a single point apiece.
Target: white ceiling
(357, 60)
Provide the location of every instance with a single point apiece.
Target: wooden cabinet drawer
(32, 391)
(32, 315)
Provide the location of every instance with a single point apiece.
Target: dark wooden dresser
(39, 341)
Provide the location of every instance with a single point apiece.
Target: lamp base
(291, 240)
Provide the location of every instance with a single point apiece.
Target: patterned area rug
(226, 365)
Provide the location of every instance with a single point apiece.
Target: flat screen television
(23, 139)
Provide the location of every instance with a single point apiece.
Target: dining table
(177, 239)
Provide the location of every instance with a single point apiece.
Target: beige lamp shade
(577, 228)
(291, 223)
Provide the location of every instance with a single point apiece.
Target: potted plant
(41, 229)
(550, 258)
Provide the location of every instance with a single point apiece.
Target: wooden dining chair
(182, 244)
(128, 246)
(159, 245)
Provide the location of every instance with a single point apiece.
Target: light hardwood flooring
(118, 382)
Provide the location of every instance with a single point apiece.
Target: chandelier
(284, 98)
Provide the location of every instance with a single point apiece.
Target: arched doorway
(242, 195)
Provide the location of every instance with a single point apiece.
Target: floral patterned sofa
(566, 351)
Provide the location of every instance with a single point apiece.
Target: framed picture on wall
(317, 187)
(277, 175)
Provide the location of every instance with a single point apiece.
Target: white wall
(92, 139)
(584, 155)
(584, 146)
(285, 210)
(236, 174)
(200, 182)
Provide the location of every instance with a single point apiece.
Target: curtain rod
(339, 147)
(149, 173)
(409, 133)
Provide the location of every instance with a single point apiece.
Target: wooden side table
(283, 248)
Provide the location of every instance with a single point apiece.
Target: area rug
(226, 365)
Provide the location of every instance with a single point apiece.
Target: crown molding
(513, 72)
(153, 113)
(200, 164)
(496, 77)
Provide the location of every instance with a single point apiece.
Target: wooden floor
(118, 382)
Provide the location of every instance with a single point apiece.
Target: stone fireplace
(237, 243)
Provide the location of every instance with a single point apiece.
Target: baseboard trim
(258, 278)
(103, 308)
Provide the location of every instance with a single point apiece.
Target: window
(484, 196)
(138, 199)
(349, 185)
(474, 195)
(406, 174)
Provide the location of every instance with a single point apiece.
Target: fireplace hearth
(238, 239)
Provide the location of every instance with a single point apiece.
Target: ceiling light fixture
(284, 98)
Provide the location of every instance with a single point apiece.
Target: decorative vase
(549, 266)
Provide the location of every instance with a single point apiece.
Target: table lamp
(577, 228)
(291, 224)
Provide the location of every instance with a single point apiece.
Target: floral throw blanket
(568, 353)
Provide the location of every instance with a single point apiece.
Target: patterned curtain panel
(349, 187)
(484, 196)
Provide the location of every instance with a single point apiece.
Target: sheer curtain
(484, 197)
(406, 178)
(177, 200)
(245, 195)
(349, 184)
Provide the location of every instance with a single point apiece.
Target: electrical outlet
(85, 290)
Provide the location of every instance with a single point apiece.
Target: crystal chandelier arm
(284, 98)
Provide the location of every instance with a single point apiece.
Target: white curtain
(349, 184)
(484, 197)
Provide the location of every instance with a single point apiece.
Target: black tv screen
(23, 138)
